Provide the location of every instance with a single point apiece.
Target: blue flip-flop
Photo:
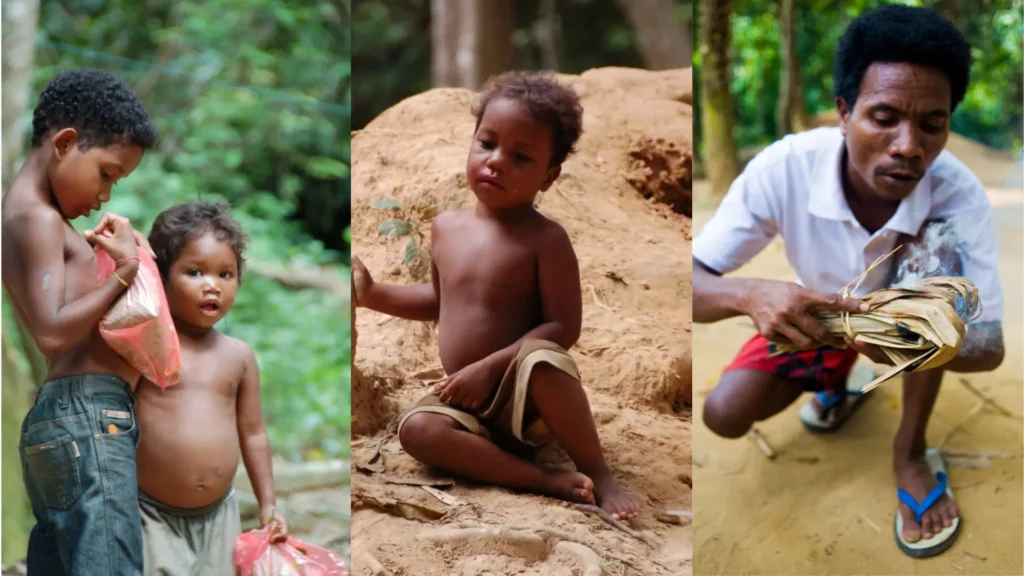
(944, 538)
(809, 415)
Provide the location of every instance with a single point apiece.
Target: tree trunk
(545, 30)
(790, 116)
(721, 162)
(20, 21)
(17, 397)
(663, 41)
(471, 40)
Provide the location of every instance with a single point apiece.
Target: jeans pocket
(53, 468)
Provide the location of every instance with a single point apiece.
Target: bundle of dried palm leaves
(918, 328)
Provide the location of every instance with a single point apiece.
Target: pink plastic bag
(138, 325)
(254, 555)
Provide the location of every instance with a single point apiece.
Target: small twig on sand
(761, 443)
(870, 523)
(376, 568)
(956, 566)
(593, 292)
(584, 554)
(954, 452)
(974, 411)
(988, 399)
(610, 520)
(975, 556)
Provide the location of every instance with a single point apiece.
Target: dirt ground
(633, 354)
(826, 504)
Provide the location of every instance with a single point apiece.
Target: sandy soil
(826, 504)
(633, 353)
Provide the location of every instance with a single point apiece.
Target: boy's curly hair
(180, 224)
(101, 108)
(556, 105)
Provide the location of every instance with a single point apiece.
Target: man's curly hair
(180, 224)
(553, 104)
(897, 33)
(101, 108)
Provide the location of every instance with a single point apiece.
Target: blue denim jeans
(78, 460)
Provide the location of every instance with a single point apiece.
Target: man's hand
(781, 312)
(115, 235)
(362, 282)
(470, 387)
(270, 516)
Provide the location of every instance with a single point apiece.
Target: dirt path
(826, 504)
(633, 353)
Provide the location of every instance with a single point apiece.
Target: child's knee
(547, 375)
(421, 430)
(722, 417)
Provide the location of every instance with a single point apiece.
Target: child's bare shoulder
(30, 217)
(450, 219)
(550, 233)
(235, 352)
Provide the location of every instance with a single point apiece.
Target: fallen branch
(305, 278)
(593, 292)
(870, 523)
(610, 520)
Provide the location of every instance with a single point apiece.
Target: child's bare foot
(572, 486)
(614, 499)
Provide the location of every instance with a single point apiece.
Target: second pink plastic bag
(138, 326)
(254, 555)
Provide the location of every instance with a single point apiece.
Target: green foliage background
(252, 101)
(991, 112)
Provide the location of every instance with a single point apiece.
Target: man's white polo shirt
(793, 189)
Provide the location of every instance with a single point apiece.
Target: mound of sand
(620, 198)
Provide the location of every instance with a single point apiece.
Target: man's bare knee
(723, 418)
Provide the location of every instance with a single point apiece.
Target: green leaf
(386, 204)
(394, 228)
(411, 251)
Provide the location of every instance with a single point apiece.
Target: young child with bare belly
(505, 292)
(195, 430)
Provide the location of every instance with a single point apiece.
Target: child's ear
(63, 141)
(553, 174)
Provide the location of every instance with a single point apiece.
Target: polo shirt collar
(828, 201)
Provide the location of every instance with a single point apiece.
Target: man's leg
(912, 472)
(743, 397)
(438, 440)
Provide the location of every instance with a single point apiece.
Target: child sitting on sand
(506, 295)
(194, 430)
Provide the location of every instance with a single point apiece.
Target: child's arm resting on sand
(252, 435)
(56, 325)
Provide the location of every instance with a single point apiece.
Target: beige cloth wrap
(507, 412)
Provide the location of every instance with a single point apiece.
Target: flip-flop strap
(919, 508)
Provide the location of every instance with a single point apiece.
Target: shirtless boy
(78, 441)
(505, 292)
(194, 430)
(841, 197)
